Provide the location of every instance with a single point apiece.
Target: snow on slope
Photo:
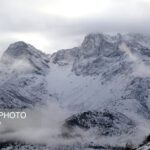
(110, 72)
(22, 75)
(103, 74)
(107, 72)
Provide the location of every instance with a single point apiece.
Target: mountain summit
(19, 49)
(21, 52)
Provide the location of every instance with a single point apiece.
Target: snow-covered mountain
(104, 83)
(22, 75)
(106, 71)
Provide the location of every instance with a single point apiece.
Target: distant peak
(17, 49)
(95, 39)
(92, 39)
(94, 36)
(21, 49)
(19, 44)
(21, 53)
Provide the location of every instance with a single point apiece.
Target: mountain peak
(21, 52)
(93, 39)
(18, 49)
(18, 44)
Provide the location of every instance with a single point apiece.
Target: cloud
(140, 68)
(63, 23)
(42, 125)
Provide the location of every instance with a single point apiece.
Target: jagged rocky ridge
(107, 72)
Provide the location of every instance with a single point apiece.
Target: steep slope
(106, 70)
(109, 72)
(22, 74)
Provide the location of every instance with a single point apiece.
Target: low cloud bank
(43, 125)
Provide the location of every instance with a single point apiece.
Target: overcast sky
(51, 25)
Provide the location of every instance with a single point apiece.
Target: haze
(51, 25)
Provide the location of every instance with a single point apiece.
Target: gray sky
(51, 25)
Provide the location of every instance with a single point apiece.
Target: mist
(140, 68)
(44, 125)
